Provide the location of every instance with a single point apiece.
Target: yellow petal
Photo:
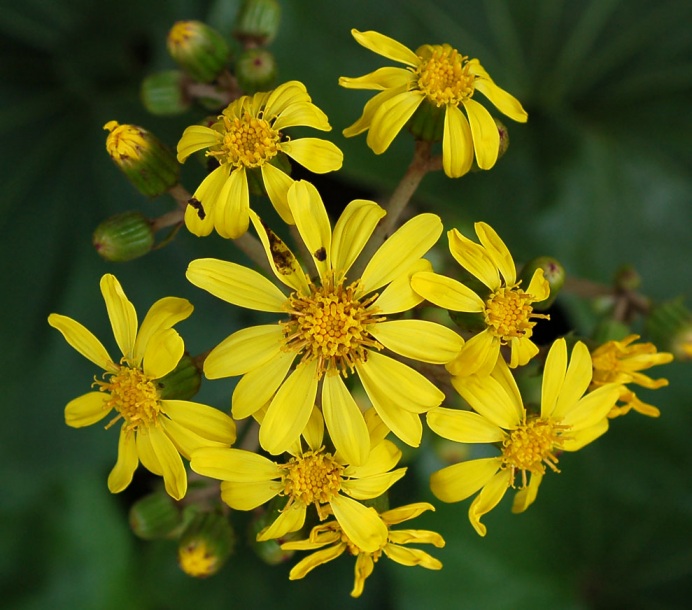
(399, 295)
(474, 258)
(289, 410)
(412, 557)
(236, 284)
(457, 144)
(163, 351)
(194, 138)
(390, 118)
(539, 287)
(283, 97)
(289, 520)
(352, 231)
(174, 476)
(146, 453)
(463, 426)
(237, 465)
(522, 350)
(405, 512)
(314, 432)
(201, 227)
(401, 251)
(446, 292)
(404, 424)
(489, 398)
(121, 475)
(82, 340)
(486, 137)
(553, 377)
(383, 78)
(360, 523)
(459, 481)
(206, 421)
(200, 218)
(504, 377)
(383, 457)
(165, 313)
(121, 313)
(185, 440)
(370, 109)
(231, 212)
(591, 409)
(478, 356)
(580, 438)
(526, 497)
(577, 380)
(86, 409)
(244, 351)
(419, 339)
(248, 495)
(313, 223)
(498, 252)
(364, 567)
(318, 558)
(277, 183)
(257, 387)
(303, 114)
(489, 498)
(344, 421)
(386, 46)
(318, 155)
(507, 104)
(373, 486)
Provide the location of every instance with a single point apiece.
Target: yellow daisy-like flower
(568, 420)
(441, 76)
(506, 308)
(247, 138)
(621, 362)
(313, 477)
(330, 541)
(154, 431)
(336, 325)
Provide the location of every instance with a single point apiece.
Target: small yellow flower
(441, 76)
(314, 477)
(154, 431)
(334, 326)
(569, 419)
(248, 137)
(330, 541)
(506, 308)
(621, 362)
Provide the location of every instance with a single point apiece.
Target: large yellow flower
(335, 325)
(622, 362)
(568, 420)
(248, 138)
(329, 540)
(444, 78)
(314, 477)
(154, 430)
(506, 309)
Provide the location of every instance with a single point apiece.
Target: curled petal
(489, 498)
(412, 557)
(309, 563)
(195, 138)
(289, 520)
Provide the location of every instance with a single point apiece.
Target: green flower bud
(205, 545)
(198, 49)
(148, 164)
(255, 70)
(427, 122)
(183, 382)
(257, 22)
(610, 330)
(163, 93)
(670, 326)
(269, 551)
(124, 237)
(155, 516)
(553, 271)
(627, 278)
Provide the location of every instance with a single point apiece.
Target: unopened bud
(670, 326)
(627, 278)
(163, 93)
(183, 382)
(255, 70)
(148, 164)
(155, 516)
(257, 22)
(198, 49)
(553, 271)
(269, 551)
(205, 545)
(124, 237)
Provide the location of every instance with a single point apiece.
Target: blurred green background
(599, 176)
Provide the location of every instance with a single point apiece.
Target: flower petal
(206, 421)
(526, 496)
(383, 457)
(463, 426)
(554, 373)
(386, 46)
(248, 495)
(87, 409)
(459, 481)
(82, 340)
(318, 155)
(399, 295)
(236, 284)
(412, 557)
(498, 252)
(303, 114)
(199, 218)
(164, 350)
(362, 524)
(236, 465)
(277, 183)
(194, 138)
(474, 258)
(257, 387)
(352, 231)
(390, 118)
(446, 292)
(592, 408)
(163, 314)
(405, 512)
(313, 223)
(245, 350)
(174, 476)
(185, 440)
(457, 144)
(577, 380)
(370, 109)
(506, 103)
(489, 397)
(231, 212)
(489, 498)
(121, 475)
(419, 339)
(486, 137)
(289, 520)
(373, 486)
(478, 356)
(580, 438)
(121, 313)
(385, 78)
(146, 454)
(314, 560)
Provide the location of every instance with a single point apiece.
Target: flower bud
(269, 551)
(257, 22)
(198, 49)
(155, 516)
(148, 164)
(163, 93)
(205, 545)
(255, 70)
(553, 271)
(183, 382)
(670, 326)
(124, 237)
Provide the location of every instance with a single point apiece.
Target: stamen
(247, 141)
(314, 478)
(444, 76)
(509, 313)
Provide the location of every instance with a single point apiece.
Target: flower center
(444, 76)
(508, 313)
(196, 559)
(133, 395)
(125, 143)
(313, 478)
(247, 141)
(331, 326)
(533, 445)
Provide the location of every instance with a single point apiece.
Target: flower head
(311, 477)
(329, 541)
(334, 325)
(622, 362)
(568, 420)
(154, 430)
(505, 307)
(248, 138)
(440, 76)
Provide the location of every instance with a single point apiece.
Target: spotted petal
(313, 223)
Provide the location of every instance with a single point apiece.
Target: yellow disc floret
(509, 314)
(247, 141)
(197, 560)
(313, 478)
(444, 75)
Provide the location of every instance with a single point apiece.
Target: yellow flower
(314, 477)
(336, 325)
(506, 309)
(444, 78)
(330, 541)
(621, 362)
(249, 137)
(154, 431)
(569, 419)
